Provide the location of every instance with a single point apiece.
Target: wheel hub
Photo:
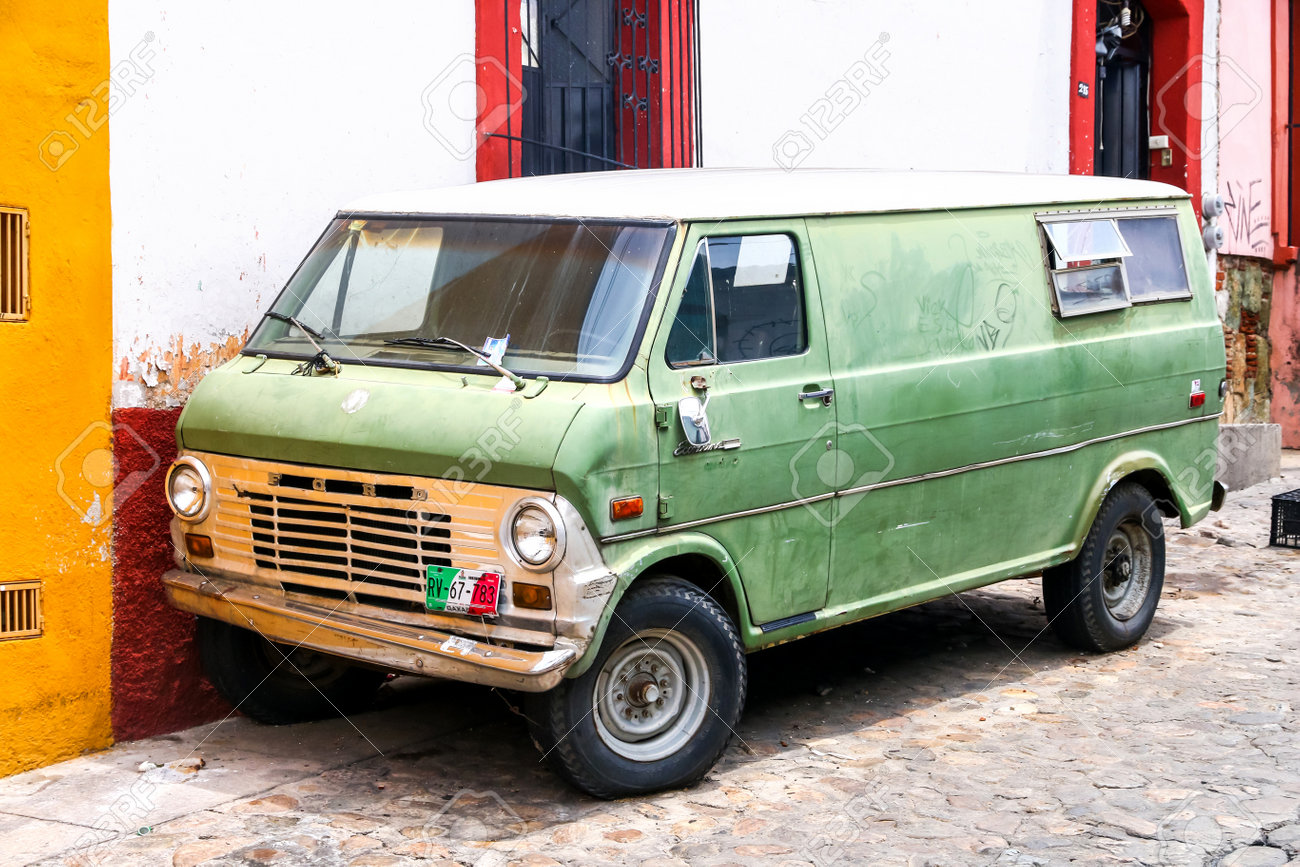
(651, 695)
(642, 692)
(1126, 573)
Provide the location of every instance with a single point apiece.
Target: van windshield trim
(647, 304)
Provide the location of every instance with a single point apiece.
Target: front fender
(634, 558)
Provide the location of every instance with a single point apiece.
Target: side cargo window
(1157, 271)
(743, 302)
(1108, 261)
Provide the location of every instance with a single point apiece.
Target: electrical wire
(1138, 15)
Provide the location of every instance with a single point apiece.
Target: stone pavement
(954, 733)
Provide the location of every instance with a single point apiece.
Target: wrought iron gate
(608, 84)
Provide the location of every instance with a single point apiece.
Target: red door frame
(498, 68)
(1286, 80)
(1176, 75)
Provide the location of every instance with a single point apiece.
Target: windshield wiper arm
(448, 343)
(312, 336)
(305, 329)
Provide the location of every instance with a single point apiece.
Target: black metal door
(569, 115)
(1122, 111)
(1121, 115)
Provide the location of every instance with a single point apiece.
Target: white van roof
(716, 194)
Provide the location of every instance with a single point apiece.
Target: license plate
(462, 591)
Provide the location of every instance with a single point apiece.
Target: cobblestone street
(960, 732)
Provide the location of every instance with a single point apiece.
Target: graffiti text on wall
(1246, 217)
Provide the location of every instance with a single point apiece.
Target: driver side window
(743, 302)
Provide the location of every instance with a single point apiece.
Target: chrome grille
(347, 536)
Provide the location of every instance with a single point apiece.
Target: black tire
(587, 728)
(1105, 598)
(253, 675)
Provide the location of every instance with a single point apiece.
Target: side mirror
(695, 424)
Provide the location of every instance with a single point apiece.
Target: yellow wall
(54, 386)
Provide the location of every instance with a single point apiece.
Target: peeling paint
(163, 377)
(94, 512)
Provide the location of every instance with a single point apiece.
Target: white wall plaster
(258, 122)
(970, 85)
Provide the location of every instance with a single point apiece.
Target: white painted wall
(256, 122)
(969, 85)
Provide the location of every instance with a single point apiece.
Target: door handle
(825, 395)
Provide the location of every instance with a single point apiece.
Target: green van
(596, 437)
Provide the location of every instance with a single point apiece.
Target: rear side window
(743, 302)
(1157, 270)
(1109, 261)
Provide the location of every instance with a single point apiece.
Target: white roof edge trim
(721, 194)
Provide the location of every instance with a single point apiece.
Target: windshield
(562, 297)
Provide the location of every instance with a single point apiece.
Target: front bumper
(385, 645)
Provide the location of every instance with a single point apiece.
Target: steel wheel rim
(1126, 573)
(651, 696)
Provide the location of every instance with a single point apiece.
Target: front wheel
(658, 706)
(1105, 598)
(280, 684)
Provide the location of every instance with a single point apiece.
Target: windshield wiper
(323, 360)
(447, 343)
(305, 329)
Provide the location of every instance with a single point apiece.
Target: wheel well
(1159, 490)
(704, 574)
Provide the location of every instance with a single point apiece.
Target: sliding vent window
(743, 302)
(1157, 270)
(1087, 266)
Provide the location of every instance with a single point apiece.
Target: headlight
(537, 534)
(189, 489)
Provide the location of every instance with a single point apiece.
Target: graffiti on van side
(1246, 217)
(949, 323)
(998, 260)
(994, 328)
(969, 306)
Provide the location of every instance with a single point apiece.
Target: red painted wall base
(157, 682)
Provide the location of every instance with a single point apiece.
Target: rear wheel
(280, 684)
(658, 706)
(1105, 598)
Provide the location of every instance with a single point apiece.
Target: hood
(382, 419)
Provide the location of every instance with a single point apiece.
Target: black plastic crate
(1285, 532)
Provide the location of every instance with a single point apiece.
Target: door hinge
(664, 415)
(665, 507)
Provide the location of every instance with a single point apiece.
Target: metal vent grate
(13, 264)
(20, 610)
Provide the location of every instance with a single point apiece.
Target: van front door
(741, 357)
